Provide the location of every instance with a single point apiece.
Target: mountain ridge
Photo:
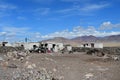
(82, 39)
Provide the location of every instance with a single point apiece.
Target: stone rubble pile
(17, 54)
(106, 53)
(5, 49)
(32, 74)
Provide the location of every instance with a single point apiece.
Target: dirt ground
(76, 66)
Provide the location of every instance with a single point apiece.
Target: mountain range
(82, 39)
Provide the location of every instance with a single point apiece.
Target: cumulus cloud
(81, 31)
(108, 25)
(19, 34)
(10, 32)
(22, 32)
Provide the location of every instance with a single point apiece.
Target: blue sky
(43, 19)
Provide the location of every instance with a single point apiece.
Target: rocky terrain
(22, 65)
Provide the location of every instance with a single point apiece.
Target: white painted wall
(59, 46)
(69, 48)
(49, 46)
(27, 46)
(98, 45)
(8, 44)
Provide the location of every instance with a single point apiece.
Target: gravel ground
(56, 66)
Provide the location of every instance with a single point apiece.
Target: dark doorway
(34, 46)
(92, 45)
(53, 45)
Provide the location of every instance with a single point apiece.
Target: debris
(21, 54)
(55, 79)
(115, 57)
(1, 59)
(30, 67)
(12, 66)
(31, 74)
(4, 64)
(96, 52)
(5, 49)
(89, 75)
(54, 69)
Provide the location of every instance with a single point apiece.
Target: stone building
(92, 45)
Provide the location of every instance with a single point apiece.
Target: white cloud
(42, 11)
(37, 35)
(92, 7)
(108, 25)
(18, 34)
(10, 32)
(21, 18)
(80, 31)
(84, 9)
(22, 32)
(70, 11)
(2, 33)
(7, 7)
(15, 29)
(66, 10)
(64, 33)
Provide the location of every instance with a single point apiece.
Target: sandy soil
(76, 66)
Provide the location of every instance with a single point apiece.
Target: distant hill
(112, 38)
(81, 39)
(86, 39)
(58, 39)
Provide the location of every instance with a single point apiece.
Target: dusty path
(78, 66)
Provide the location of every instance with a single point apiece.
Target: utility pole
(26, 40)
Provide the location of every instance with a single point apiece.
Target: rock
(21, 54)
(34, 65)
(12, 66)
(21, 58)
(31, 74)
(30, 67)
(54, 69)
(9, 54)
(115, 57)
(61, 78)
(1, 59)
(89, 75)
(4, 64)
(55, 79)
(5, 49)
